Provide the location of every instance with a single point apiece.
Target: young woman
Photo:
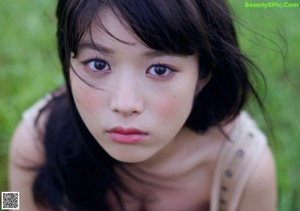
(150, 117)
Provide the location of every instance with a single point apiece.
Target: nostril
(127, 105)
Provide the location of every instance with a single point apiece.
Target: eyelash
(170, 70)
(163, 76)
(88, 61)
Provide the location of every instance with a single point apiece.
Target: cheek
(90, 101)
(87, 100)
(173, 108)
(175, 104)
(167, 107)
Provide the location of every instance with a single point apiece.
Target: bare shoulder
(26, 155)
(27, 146)
(26, 149)
(260, 191)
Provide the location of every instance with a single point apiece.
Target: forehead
(109, 26)
(168, 33)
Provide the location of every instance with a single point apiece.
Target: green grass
(29, 68)
(28, 64)
(274, 46)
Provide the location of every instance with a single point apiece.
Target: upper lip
(126, 131)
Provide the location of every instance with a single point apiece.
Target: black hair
(78, 173)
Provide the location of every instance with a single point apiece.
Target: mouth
(127, 135)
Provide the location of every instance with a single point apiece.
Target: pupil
(160, 70)
(99, 65)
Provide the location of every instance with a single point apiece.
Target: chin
(130, 157)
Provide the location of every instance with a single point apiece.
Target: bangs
(170, 26)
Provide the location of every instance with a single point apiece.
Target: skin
(129, 94)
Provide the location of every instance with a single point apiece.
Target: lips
(127, 135)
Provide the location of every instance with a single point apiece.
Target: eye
(160, 71)
(97, 65)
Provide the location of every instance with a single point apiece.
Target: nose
(126, 97)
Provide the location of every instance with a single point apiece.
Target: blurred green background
(29, 68)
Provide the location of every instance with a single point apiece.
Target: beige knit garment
(236, 161)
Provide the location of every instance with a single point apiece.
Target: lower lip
(127, 138)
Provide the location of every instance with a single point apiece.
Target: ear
(202, 83)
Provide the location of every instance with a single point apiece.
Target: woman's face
(134, 100)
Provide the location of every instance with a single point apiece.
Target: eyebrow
(105, 50)
(156, 53)
(95, 46)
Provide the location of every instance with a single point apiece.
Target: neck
(175, 159)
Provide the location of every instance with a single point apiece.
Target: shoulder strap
(29, 116)
(235, 163)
